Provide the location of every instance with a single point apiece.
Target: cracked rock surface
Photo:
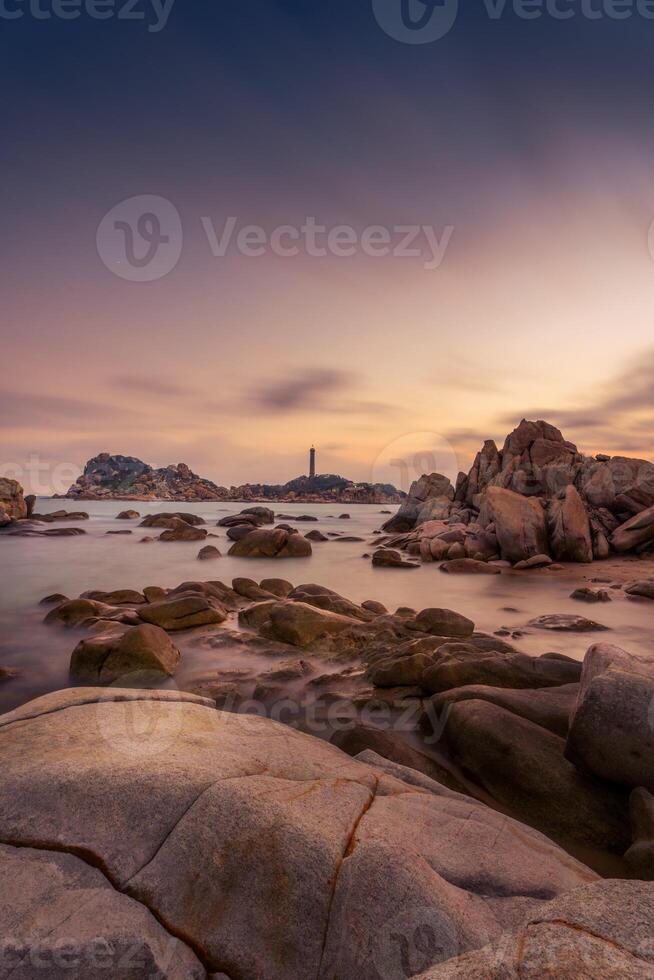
(262, 852)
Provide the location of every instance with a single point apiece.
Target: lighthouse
(312, 462)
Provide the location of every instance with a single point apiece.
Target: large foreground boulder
(272, 853)
(275, 543)
(597, 932)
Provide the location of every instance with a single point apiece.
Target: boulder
(238, 520)
(378, 608)
(208, 553)
(119, 597)
(566, 623)
(522, 766)
(611, 731)
(468, 566)
(640, 856)
(462, 664)
(519, 523)
(179, 530)
(637, 531)
(600, 931)
(641, 590)
(127, 515)
(143, 653)
(569, 528)
(264, 515)
(444, 622)
(238, 531)
(271, 544)
(301, 624)
(549, 707)
(538, 561)
(389, 558)
(590, 595)
(263, 847)
(323, 598)
(316, 536)
(182, 613)
(165, 519)
(77, 612)
(430, 497)
(12, 501)
(277, 586)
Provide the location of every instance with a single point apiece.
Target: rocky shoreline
(505, 800)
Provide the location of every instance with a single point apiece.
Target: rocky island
(107, 477)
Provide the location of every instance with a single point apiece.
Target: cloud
(308, 390)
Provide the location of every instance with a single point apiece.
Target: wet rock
(374, 607)
(569, 528)
(142, 652)
(388, 558)
(254, 817)
(77, 612)
(61, 515)
(239, 520)
(55, 599)
(271, 544)
(179, 530)
(127, 515)
(444, 622)
(590, 595)
(316, 536)
(350, 538)
(154, 593)
(641, 590)
(598, 932)
(639, 530)
(182, 613)
(522, 766)
(277, 586)
(118, 532)
(611, 732)
(538, 561)
(323, 598)
(548, 707)
(208, 553)
(303, 518)
(301, 624)
(462, 664)
(119, 597)
(469, 566)
(165, 519)
(343, 517)
(566, 623)
(238, 531)
(640, 856)
(264, 515)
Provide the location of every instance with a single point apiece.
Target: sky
(233, 229)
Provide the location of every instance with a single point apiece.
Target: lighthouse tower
(312, 462)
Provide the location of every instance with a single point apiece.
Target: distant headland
(109, 477)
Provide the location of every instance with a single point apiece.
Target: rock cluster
(538, 496)
(108, 477)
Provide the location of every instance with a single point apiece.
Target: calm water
(34, 567)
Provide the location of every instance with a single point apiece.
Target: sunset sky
(532, 139)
